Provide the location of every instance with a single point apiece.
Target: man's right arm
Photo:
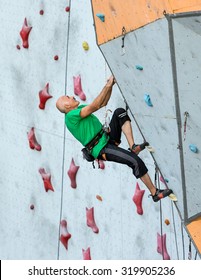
(100, 101)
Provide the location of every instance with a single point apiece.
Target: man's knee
(119, 111)
(122, 115)
(140, 169)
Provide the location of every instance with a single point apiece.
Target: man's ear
(67, 106)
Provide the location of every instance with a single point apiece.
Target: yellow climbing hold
(85, 46)
(173, 197)
(150, 149)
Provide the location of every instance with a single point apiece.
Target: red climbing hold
(137, 199)
(56, 57)
(24, 33)
(161, 246)
(44, 96)
(65, 235)
(67, 9)
(46, 180)
(72, 172)
(41, 12)
(78, 88)
(86, 254)
(33, 144)
(90, 220)
(32, 207)
(101, 164)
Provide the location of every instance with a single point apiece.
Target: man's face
(71, 101)
(66, 103)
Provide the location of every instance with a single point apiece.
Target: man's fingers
(111, 80)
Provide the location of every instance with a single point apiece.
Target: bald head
(65, 104)
(61, 104)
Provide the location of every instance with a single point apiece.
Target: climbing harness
(86, 152)
(94, 141)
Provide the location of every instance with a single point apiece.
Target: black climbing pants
(116, 154)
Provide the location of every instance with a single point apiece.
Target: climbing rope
(106, 126)
(157, 184)
(175, 232)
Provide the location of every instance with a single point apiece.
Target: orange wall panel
(185, 5)
(133, 14)
(130, 14)
(194, 229)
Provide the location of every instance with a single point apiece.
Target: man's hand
(111, 81)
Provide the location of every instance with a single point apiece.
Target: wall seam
(178, 112)
(64, 132)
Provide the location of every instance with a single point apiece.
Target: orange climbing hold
(167, 222)
(99, 197)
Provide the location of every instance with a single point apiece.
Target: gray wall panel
(187, 37)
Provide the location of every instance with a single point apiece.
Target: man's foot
(137, 148)
(161, 194)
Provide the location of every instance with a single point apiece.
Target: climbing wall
(186, 29)
(54, 205)
(157, 69)
(30, 209)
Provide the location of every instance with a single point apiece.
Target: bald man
(99, 144)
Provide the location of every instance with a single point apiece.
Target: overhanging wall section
(149, 48)
(167, 52)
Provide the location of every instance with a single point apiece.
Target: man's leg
(121, 122)
(122, 156)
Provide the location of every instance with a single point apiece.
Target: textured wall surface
(159, 61)
(30, 216)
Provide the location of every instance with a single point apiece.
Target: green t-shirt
(85, 129)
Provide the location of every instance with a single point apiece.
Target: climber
(88, 130)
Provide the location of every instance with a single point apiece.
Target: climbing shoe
(137, 148)
(161, 194)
